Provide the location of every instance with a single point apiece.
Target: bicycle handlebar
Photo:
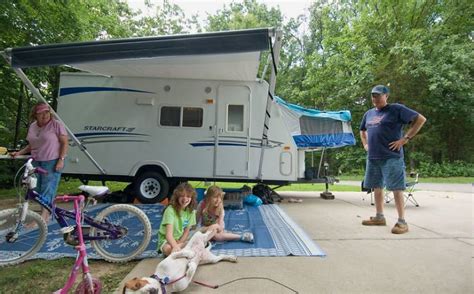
(40, 170)
(29, 168)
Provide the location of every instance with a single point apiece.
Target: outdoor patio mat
(276, 234)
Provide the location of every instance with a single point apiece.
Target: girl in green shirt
(178, 218)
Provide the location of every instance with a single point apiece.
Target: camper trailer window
(192, 117)
(235, 118)
(170, 116)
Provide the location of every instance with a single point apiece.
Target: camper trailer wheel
(151, 187)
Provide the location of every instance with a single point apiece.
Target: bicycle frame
(81, 259)
(61, 215)
(118, 233)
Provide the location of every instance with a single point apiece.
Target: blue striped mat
(276, 234)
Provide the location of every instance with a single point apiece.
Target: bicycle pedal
(86, 230)
(11, 237)
(68, 229)
(70, 239)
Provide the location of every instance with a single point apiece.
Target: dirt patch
(111, 274)
(8, 203)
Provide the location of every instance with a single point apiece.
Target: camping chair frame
(407, 194)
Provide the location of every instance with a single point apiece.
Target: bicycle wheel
(136, 233)
(84, 287)
(16, 249)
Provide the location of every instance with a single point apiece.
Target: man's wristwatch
(407, 138)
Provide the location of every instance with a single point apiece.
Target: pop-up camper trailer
(157, 111)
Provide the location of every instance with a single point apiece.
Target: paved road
(463, 188)
(434, 257)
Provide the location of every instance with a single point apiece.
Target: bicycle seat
(94, 190)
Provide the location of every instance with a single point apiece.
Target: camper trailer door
(232, 133)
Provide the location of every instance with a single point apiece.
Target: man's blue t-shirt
(385, 126)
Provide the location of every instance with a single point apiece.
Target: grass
(71, 185)
(47, 276)
(65, 187)
(292, 187)
(450, 180)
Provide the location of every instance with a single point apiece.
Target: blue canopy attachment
(312, 128)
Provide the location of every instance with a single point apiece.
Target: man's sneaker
(374, 221)
(247, 237)
(400, 228)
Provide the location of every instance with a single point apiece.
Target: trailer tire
(151, 187)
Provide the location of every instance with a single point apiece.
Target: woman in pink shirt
(48, 144)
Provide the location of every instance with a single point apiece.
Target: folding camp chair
(371, 192)
(388, 195)
(408, 193)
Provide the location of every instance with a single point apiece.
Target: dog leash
(165, 281)
(206, 285)
(244, 278)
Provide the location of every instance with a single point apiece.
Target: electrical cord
(257, 278)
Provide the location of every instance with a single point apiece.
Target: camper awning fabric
(231, 67)
(229, 55)
(312, 128)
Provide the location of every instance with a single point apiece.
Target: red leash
(206, 285)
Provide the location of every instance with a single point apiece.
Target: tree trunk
(19, 111)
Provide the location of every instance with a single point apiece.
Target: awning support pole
(276, 59)
(271, 90)
(321, 161)
(19, 72)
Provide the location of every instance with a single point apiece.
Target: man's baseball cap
(380, 89)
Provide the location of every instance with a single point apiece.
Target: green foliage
(168, 19)
(427, 168)
(27, 23)
(350, 161)
(8, 169)
(244, 15)
(422, 49)
(447, 169)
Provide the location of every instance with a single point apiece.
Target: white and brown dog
(175, 272)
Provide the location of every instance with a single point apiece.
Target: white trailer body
(190, 129)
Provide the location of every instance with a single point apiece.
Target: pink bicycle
(88, 284)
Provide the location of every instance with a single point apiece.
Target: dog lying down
(175, 272)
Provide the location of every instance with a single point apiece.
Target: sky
(289, 8)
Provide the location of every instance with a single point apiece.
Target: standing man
(383, 139)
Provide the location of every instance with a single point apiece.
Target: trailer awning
(230, 55)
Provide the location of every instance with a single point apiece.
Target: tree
(168, 19)
(420, 48)
(29, 23)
